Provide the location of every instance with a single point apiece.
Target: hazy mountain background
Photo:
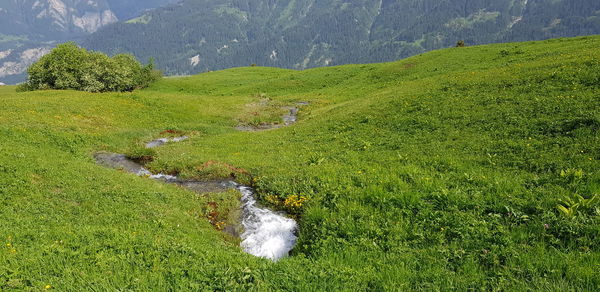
(126, 9)
(198, 35)
(30, 28)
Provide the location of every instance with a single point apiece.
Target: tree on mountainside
(71, 67)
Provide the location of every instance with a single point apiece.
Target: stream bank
(289, 118)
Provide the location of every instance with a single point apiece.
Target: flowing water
(266, 234)
(163, 141)
(289, 118)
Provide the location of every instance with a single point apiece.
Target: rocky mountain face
(12, 66)
(200, 35)
(30, 28)
(54, 19)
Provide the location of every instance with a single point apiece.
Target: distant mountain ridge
(200, 35)
(29, 28)
(54, 19)
(194, 36)
(126, 9)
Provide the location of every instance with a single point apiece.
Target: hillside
(442, 171)
(127, 9)
(200, 35)
(49, 20)
(30, 28)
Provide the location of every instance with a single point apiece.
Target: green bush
(71, 67)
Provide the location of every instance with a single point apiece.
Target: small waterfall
(266, 233)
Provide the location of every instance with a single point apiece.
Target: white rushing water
(266, 233)
(163, 141)
(144, 172)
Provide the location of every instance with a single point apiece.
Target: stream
(289, 118)
(267, 234)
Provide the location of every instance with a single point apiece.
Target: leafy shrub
(71, 67)
(570, 206)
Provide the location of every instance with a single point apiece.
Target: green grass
(439, 172)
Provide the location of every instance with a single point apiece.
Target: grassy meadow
(444, 171)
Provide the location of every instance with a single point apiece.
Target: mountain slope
(199, 35)
(54, 19)
(29, 28)
(439, 172)
(126, 9)
(64, 19)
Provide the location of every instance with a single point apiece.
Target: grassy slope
(434, 172)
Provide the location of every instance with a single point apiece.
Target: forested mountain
(200, 35)
(126, 9)
(29, 28)
(60, 19)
